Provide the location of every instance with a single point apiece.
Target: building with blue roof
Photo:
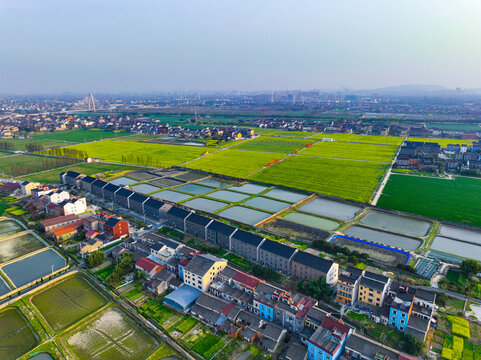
(183, 298)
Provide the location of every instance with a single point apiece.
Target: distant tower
(272, 97)
(91, 102)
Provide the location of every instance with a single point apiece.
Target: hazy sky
(157, 45)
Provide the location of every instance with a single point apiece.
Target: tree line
(41, 165)
(68, 152)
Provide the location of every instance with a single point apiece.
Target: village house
(276, 256)
(196, 226)
(245, 244)
(305, 266)
(121, 197)
(218, 234)
(97, 187)
(176, 218)
(348, 286)
(201, 271)
(116, 228)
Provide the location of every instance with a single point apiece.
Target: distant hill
(407, 90)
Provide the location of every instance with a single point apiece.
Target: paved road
(447, 292)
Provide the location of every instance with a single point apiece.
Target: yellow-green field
(349, 179)
(234, 163)
(136, 153)
(356, 151)
(373, 139)
(280, 132)
(273, 144)
(442, 142)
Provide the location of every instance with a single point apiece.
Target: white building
(75, 206)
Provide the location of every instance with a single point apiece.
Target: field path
(386, 178)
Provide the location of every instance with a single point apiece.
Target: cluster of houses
(243, 306)
(430, 156)
(54, 202)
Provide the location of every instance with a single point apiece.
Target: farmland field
(286, 133)
(273, 144)
(18, 246)
(18, 165)
(234, 163)
(21, 144)
(140, 153)
(373, 139)
(9, 227)
(355, 151)
(348, 179)
(112, 335)
(437, 198)
(68, 301)
(78, 136)
(443, 142)
(3, 153)
(49, 177)
(16, 335)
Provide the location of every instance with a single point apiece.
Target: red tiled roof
(247, 280)
(59, 220)
(226, 310)
(90, 233)
(146, 264)
(184, 262)
(333, 324)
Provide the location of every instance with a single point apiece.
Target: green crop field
(286, 133)
(273, 144)
(373, 139)
(16, 335)
(52, 176)
(443, 142)
(22, 144)
(78, 136)
(19, 165)
(355, 151)
(349, 179)
(111, 335)
(235, 163)
(139, 137)
(67, 302)
(140, 153)
(456, 200)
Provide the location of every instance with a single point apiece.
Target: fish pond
(249, 188)
(9, 227)
(266, 204)
(227, 195)
(460, 248)
(244, 215)
(145, 188)
(312, 221)
(170, 195)
(382, 237)
(17, 246)
(330, 208)
(206, 205)
(285, 195)
(194, 189)
(461, 234)
(395, 223)
(123, 181)
(217, 183)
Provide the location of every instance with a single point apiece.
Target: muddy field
(296, 231)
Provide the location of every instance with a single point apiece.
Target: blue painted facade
(181, 271)
(316, 353)
(398, 318)
(266, 312)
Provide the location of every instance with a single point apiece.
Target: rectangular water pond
(330, 208)
(460, 248)
(9, 227)
(194, 189)
(123, 181)
(312, 221)
(205, 205)
(461, 234)
(217, 183)
(142, 175)
(244, 215)
(382, 237)
(266, 204)
(227, 195)
(167, 182)
(170, 195)
(395, 223)
(285, 195)
(191, 176)
(249, 188)
(145, 188)
(26, 270)
(17, 246)
(4, 288)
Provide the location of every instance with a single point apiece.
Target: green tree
(124, 264)
(470, 267)
(318, 289)
(95, 258)
(412, 345)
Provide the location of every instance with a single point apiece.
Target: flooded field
(170, 195)
(380, 255)
(330, 208)
(39, 265)
(312, 221)
(227, 195)
(167, 182)
(42, 356)
(461, 234)
(285, 195)
(383, 237)
(266, 204)
(9, 227)
(4, 288)
(145, 188)
(194, 189)
(142, 175)
(398, 224)
(217, 183)
(191, 176)
(18, 246)
(295, 231)
(206, 205)
(123, 181)
(249, 188)
(460, 248)
(244, 215)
